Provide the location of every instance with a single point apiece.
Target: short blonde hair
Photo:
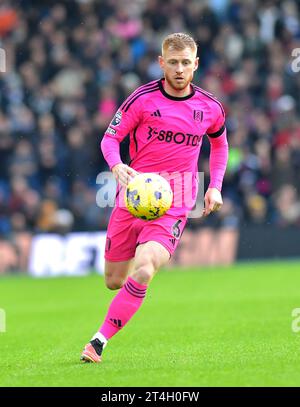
(178, 42)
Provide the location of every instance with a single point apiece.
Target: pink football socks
(123, 307)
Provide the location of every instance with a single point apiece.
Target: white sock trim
(101, 338)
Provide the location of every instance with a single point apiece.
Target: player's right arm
(125, 120)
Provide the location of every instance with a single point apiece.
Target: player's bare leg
(115, 273)
(149, 257)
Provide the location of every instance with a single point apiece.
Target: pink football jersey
(166, 134)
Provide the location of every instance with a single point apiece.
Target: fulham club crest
(198, 115)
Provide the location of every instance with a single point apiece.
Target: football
(148, 196)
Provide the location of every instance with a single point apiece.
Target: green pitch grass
(218, 327)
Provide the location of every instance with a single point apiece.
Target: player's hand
(123, 173)
(212, 201)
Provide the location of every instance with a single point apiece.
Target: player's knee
(144, 273)
(114, 284)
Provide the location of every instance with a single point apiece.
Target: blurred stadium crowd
(70, 64)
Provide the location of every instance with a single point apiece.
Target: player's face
(179, 68)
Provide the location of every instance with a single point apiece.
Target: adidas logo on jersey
(156, 113)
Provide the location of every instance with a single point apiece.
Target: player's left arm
(217, 162)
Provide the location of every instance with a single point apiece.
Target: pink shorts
(125, 233)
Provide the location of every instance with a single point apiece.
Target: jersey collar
(161, 88)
